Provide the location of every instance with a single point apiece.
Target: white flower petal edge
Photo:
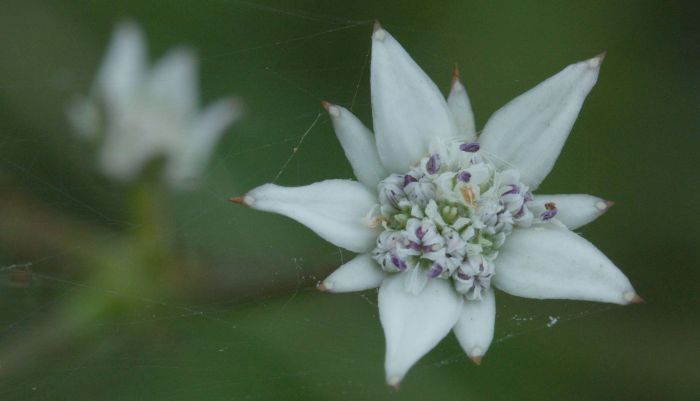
(173, 81)
(359, 145)
(361, 273)
(573, 210)
(333, 209)
(408, 110)
(474, 329)
(529, 132)
(124, 67)
(553, 263)
(461, 109)
(414, 324)
(205, 132)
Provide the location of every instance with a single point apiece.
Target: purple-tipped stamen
(548, 214)
(435, 270)
(463, 276)
(400, 264)
(550, 211)
(419, 232)
(407, 179)
(520, 212)
(514, 189)
(433, 164)
(465, 176)
(470, 147)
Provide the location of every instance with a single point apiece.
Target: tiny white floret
(140, 114)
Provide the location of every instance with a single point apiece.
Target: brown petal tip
(604, 205)
(394, 382)
(633, 298)
(455, 74)
(322, 287)
(637, 300)
(476, 359)
(596, 61)
(378, 33)
(238, 199)
(332, 109)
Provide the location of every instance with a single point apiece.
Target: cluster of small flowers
(448, 216)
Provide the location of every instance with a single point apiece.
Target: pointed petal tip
(394, 382)
(596, 61)
(455, 73)
(238, 199)
(456, 81)
(324, 286)
(332, 109)
(604, 205)
(633, 298)
(476, 355)
(378, 31)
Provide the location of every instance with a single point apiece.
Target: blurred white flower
(140, 114)
(440, 217)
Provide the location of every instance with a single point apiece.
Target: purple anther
(433, 164)
(465, 176)
(407, 179)
(419, 232)
(435, 270)
(463, 276)
(400, 264)
(548, 214)
(520, 212)
(514, 189)
(528, 196)
(415, 246)
(470, 147)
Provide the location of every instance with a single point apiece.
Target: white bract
(140, 114)
(441, 217)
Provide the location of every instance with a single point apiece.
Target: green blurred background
(88, 312)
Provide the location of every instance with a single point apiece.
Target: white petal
(333, 209)
(461, 109)
(361, 273)
(359, 146)
(173, 81)
(204, 134)
(414, 324)
(550, 262)
(574, 210)
(529, 132)
(84, 116)
(409, 111)
(474, 329)
(124, 66)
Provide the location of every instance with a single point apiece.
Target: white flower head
(457, 215)
(141, 114)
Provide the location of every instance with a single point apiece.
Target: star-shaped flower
(140, 114)
(440, 216)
